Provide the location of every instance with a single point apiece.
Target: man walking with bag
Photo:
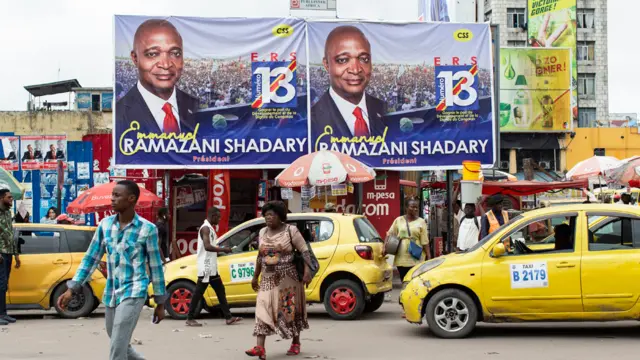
(207, 259)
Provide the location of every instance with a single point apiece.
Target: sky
(51, 40)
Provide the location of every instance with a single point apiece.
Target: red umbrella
(98, 199)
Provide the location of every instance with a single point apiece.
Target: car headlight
(429, 265)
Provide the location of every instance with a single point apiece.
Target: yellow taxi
(590, 274)
(49, 256)
(353, 275)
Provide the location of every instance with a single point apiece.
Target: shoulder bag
(298, 259)
(414, 249)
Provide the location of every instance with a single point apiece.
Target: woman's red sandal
(258, 351)
(294, 350)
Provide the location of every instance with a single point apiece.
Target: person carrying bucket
(494, 218)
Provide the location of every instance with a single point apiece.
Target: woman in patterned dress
(281, 304)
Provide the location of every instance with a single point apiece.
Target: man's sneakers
(6, 320)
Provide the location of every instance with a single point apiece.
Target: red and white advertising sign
(381, 201)
(10, 153)
(184, 196)
(32, 150)
(54, 149)
(220, 197)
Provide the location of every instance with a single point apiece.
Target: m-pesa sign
(380, 201)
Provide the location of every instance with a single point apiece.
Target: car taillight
(102, 267)
(365, 252)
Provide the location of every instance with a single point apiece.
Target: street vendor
(495, 217)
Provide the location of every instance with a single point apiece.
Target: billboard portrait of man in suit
(346, 106)
(30, 154)
(54, 154)
(155, 102)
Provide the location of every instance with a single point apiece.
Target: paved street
(382, 335)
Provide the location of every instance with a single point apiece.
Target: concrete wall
(74, 124)
(618, 142)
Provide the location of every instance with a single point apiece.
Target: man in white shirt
(207, 262)
(155, 103)
(346, 109)
(469, 231)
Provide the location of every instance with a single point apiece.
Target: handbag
(298, 259)
(391, 245)
(414, 249)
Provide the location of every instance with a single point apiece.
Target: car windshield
(493, 234)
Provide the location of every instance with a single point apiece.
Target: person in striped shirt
(130, 243)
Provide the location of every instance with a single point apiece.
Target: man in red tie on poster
(155, 102)
(345, 107)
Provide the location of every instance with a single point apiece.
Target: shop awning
(514, 188)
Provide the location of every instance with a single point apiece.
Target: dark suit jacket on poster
(325, 112)
(59, 155)
(132, 107)
(37, 155)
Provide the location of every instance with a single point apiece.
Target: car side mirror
(498, 250)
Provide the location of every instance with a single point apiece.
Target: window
(614, 233)
(587, 85)
(365, 231)
(487, 16)
(515, 17)
(586, 50)
(599, 152)
(586, 117)
(95, 102)
(244, 240)
(536, 236)
(316, 230)
(78, 240)
(38, 242)
(516, 43)
(586, 18)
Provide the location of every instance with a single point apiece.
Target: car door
(322, 233)
(538, 282)
(44, 264)
(610, 265)
(237, 268)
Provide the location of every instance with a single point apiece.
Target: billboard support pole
(450, 201)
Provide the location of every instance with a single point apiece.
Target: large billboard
(552, 24)
(535, 90)
(394, 97)
(187, 97)
(209, 93)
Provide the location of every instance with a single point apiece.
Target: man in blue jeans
(133, 261)
(8, 249)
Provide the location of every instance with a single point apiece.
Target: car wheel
(81, 303)
(96, 304)
(180, 295)
(374, 303)
(451, 314)
(344, 300)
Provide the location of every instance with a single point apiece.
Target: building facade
(592, 49)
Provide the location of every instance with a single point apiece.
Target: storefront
(240, 195)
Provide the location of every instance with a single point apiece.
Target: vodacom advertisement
(220, 197)
(380, 201)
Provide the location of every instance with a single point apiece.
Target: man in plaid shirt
(130, 243)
